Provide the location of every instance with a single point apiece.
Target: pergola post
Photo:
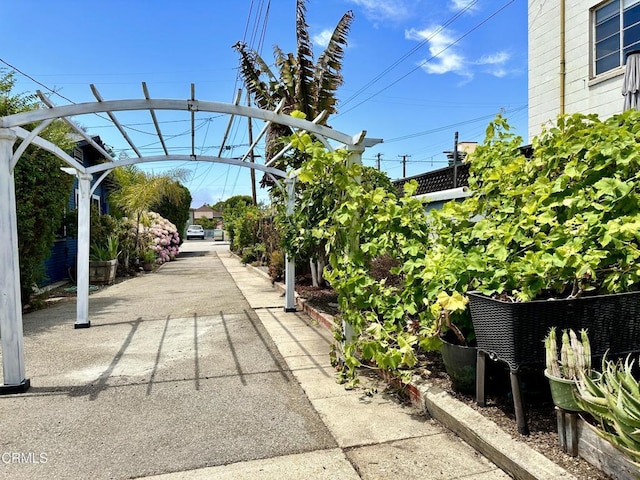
(10, 299)
(82, 260)
(290, 263)
(348, 333)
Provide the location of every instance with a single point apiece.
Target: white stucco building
(577, 51)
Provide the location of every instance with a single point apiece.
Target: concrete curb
(514, 457)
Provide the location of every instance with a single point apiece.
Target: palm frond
(305, 62)
(286, 88)
(252, 69)
(327, 76)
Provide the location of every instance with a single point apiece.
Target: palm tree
(304, 85)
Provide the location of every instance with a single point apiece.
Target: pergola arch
(12, 127)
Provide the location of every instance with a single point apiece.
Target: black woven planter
(514, 332)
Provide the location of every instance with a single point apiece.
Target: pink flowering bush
(163, 237)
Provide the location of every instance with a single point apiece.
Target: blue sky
(415, 71)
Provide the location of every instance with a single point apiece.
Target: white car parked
(195, 231)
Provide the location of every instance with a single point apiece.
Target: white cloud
(457, 5)
(499, 58)
(384, 10)
(444, 58)
(322, 38)
(496, 62)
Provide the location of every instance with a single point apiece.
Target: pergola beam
(278, 108)
(115, 121)
(110, 106)
(287, 147)
(49, 147)
(107, 156)
(154, 119)
(185, 158)
(229, 123)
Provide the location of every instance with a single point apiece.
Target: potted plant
(566, 366)
(148, 259)
(103, 261)
(458, 349)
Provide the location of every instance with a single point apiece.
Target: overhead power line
(417, 47)
(452, 125)
(433, 57)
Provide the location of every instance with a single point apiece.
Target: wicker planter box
(514, 332)
(103, 273)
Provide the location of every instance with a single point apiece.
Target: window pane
(607, 63)
(603, 13)
(631, 16)
(608, 28)
(631, 48)
(631, 35)
(629, 3)
(608, 46)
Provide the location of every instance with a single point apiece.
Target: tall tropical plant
(305, 85)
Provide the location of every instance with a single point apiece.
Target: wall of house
(583, 92)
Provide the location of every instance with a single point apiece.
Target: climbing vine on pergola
(12, 127)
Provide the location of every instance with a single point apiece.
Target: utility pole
(404, 165)
(251, 156)
(378, 155)
(455, 160)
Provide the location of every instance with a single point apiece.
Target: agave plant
(109, 250)
(614, 402)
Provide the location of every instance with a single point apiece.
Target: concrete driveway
(196, 372)
(175, 373)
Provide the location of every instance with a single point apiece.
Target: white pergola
(12, 128)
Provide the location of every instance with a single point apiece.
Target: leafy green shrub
(41, 189)
(276, 266)
(368, 229)
(253, 253)
(560, 224)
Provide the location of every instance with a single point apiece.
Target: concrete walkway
(194, 372)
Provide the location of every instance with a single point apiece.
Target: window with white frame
(616, 33)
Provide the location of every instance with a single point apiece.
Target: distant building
(207, 212)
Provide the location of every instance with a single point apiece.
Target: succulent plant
(575, 354)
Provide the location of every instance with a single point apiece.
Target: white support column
(10, 298)
(348, 334)
(82, 260)
(290, 263)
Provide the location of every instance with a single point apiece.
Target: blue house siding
(61, 264)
